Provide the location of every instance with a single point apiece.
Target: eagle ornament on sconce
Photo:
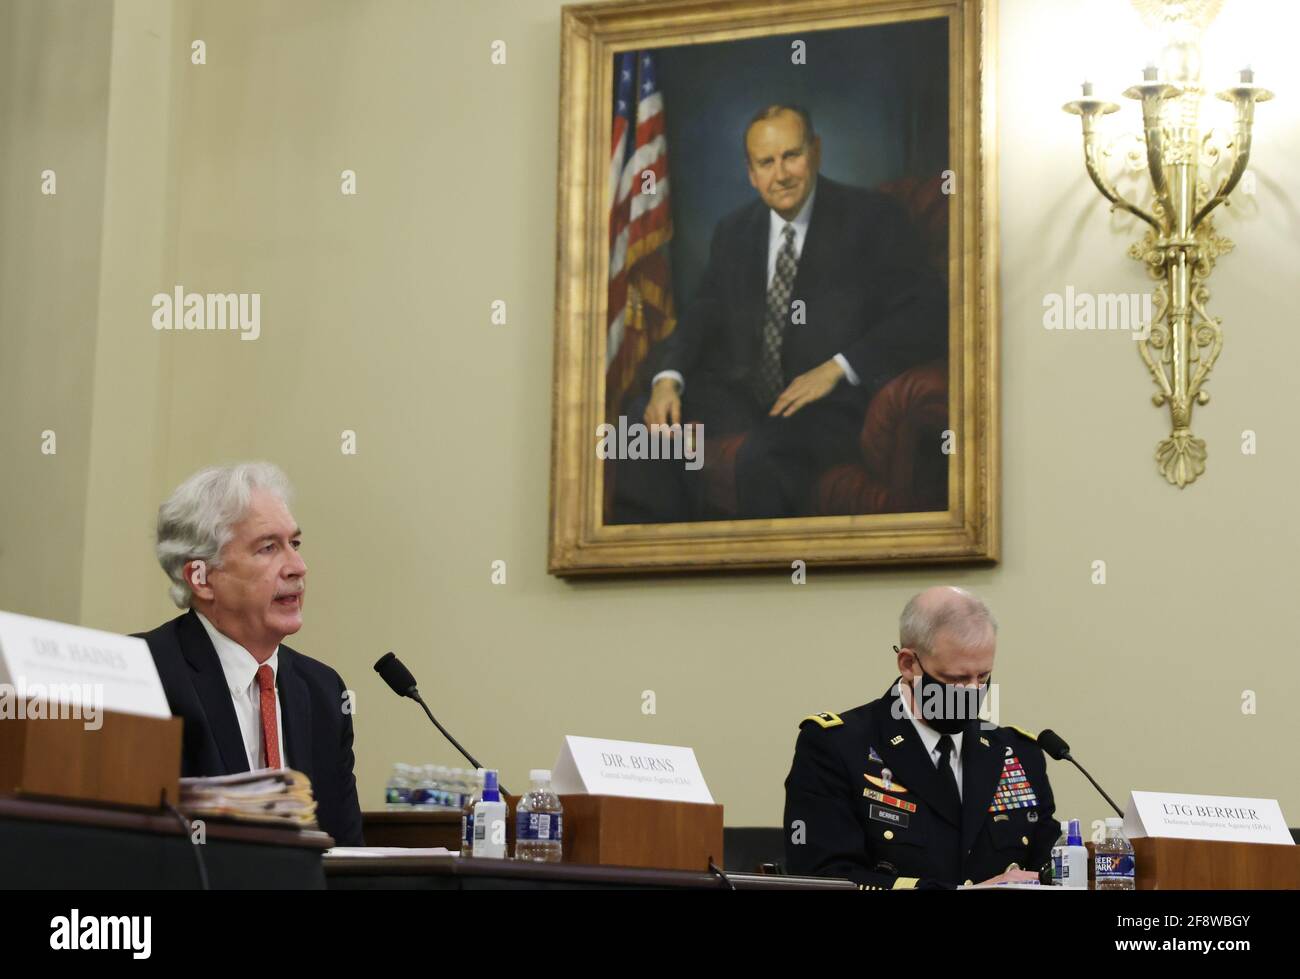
(1181, 246)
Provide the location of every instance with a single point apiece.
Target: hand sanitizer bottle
(1074, 862)
(490, 819)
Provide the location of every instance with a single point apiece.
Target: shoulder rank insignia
(1022, 732)
(825, 719)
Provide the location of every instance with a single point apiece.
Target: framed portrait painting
(776, 289)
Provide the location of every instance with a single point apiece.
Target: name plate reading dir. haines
(56, 663)
(1205, 817)
(595, 766)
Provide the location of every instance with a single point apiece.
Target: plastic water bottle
(422, 795)
(475, 793)
(1074, 859)
(490, 819)
(440, 792)
(451, 790)
(460, 787)
(450, 796)
(1113, 866)
(397, 793)
(539, 821)
(1058, 853)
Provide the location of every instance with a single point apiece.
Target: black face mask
(946, 707)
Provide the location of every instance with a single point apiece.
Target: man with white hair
(229, 544)
(914, 789)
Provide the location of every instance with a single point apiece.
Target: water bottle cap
(1114, 822)
(540, 774)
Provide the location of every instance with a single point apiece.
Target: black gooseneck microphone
(1055, 746)
(397, 676)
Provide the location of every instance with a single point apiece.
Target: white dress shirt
(776, 226)
(930, 738)
(775, 240)
(241, 680)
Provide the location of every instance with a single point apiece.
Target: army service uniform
(864, 800)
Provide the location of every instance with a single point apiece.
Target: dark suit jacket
(920, 838)
(868, 291)
(317, 733)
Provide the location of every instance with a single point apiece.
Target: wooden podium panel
(608, 830)
(601, 830)
(413, 827)
(1171, 864)
(128, 761)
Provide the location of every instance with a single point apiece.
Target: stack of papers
(274, 796)
(389, 851)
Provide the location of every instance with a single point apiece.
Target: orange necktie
(270, 734)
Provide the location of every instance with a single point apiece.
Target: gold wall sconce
(1190, 176)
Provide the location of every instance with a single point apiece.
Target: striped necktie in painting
(769, 380)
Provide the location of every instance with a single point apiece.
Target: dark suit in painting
(867, 294)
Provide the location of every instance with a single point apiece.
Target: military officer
(913, 790)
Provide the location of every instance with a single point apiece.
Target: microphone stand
(414, 694)
(1070, 758)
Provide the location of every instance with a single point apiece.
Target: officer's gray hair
(962, 615)
(197, 520)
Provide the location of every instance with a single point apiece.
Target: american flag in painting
(640, 226)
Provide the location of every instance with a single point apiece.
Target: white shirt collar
(928, 735)
(237, 662)
(800, 222)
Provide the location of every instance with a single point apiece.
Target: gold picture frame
(581, 541)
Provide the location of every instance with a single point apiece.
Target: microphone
(1054, 745)
(397, 676)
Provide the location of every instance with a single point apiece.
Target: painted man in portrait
(815, 296)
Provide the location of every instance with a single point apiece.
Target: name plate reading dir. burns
(59, 663)
(1205, 817)
(595, 766)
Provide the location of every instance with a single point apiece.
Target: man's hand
(665, 407)
(1013, 877)
(807, 388)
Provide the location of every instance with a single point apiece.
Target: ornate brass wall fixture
(1190, 177)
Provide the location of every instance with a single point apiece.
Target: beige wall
(375, 318)
(54, 66)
